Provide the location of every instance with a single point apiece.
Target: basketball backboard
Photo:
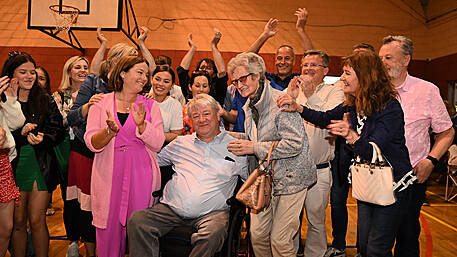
(106, 14)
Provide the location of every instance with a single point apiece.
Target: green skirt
(28, 171)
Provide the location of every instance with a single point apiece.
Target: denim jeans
(378, 225)
(407, 244)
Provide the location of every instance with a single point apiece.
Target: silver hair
(405, 43)
(202, 100)
(251, 61)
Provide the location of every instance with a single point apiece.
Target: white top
(321, 142)
(176, 93)
(11, 118)
(171, 111)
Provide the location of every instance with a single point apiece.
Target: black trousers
(407, 240)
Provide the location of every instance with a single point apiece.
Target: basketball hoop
(64, 15)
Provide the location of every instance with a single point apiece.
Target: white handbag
(373, 182)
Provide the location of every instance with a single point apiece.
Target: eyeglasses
(241, 79)
(313, 65)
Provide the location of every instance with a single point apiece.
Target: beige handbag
(373, 182)
(255, 192)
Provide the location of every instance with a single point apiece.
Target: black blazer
(54, 133)
(385, 128)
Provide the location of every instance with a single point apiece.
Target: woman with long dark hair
(35, 167)
(11, 118)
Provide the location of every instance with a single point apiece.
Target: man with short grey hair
(423, 109)
(205, 176)
(320, 96)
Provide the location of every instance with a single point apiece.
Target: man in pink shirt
(423, 108)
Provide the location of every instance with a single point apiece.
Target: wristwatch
(432, 159)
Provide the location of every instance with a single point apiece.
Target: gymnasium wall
(333, 25)
(53, 59)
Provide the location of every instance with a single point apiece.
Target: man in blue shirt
(205, 176)
(285, 54)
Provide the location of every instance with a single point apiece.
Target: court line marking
(435, 194)
(428, 237)
(442, 222)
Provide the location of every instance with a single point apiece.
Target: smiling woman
(273, 229)
(125, 130)
(170, 108)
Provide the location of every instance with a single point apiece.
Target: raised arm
(302, 16)
(271, 28)
(144, 50)
(218, 60)
(98, 57)
(187, 59)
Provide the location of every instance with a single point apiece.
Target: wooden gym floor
(438, 220)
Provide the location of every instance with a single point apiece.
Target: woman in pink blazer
(125, 131)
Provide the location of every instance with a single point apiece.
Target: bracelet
(432, 159)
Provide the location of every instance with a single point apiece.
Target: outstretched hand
(112, 125)
(190, 42)
(143, 33)
(271, 28)
(302, 16)
(340, 127)
(4, 84)
(241, 147)
(138, 116)
(100, 37)
(217, 37)
(286, 99)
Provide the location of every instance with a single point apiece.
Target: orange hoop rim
(53, 8)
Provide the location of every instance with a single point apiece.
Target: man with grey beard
(423, 109)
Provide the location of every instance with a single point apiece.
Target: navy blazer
(385, 128)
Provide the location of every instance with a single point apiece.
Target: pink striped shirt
(423, 108)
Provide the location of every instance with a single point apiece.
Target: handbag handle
(377, 155)
(269, 161)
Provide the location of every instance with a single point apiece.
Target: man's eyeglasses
(241, 79)
(313, 65)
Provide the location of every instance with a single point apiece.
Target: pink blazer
(102, 168)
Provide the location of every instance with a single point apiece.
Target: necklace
(124, 105)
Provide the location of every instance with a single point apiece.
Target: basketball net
(65, 16)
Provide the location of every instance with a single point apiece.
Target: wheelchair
(176, 243)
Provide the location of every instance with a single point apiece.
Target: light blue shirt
(205, 174)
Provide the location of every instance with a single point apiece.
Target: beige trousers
(315, 204)
(272, 230)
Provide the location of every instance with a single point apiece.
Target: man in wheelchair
(205, 176)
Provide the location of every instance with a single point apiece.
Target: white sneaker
(73, 250)
(333, 252)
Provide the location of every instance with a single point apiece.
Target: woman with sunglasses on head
(125, 131)
(200, 82)
(215, 68)
(11, 118)
(35, 166)
(77, 221)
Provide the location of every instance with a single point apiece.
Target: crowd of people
(114, 125)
